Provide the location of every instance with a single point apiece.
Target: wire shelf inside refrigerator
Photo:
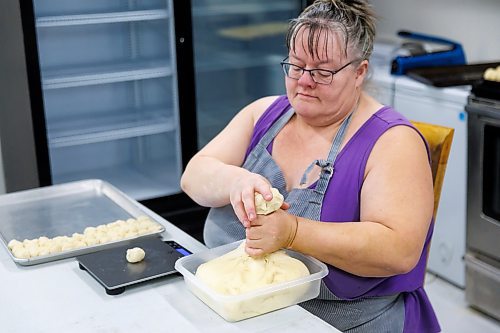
(239, 8)
(102, 74)
(121, 125)
(101, 18)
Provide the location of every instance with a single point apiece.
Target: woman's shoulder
(391, 116)
(268, 107)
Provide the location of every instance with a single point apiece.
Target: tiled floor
(454, 315)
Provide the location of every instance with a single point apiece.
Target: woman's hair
(355, 19)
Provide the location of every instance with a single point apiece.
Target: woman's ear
(361, 72)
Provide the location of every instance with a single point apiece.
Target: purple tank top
(341, 203)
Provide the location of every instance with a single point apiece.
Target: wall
(474, 24)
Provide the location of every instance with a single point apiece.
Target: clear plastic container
(238, 307)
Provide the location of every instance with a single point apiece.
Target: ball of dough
(13, 243)
(54, 247)
(103, 238)
(77, 236)
(90, 231)
(20, 252)
(30, 242)
(102, 228)
(43, 241)
(135, 255)
(69, 245)
(489, 74)
(90, 240)
(32, 249)
(43, 251)
(264, 207)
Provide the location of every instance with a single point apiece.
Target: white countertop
(59, 297)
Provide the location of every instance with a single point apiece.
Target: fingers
(269, 233)
(253, 252)
(240, 212)
(248, 199)
(264, 188)
(285, 205)
(242, 197)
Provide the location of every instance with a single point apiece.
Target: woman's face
(321, 104)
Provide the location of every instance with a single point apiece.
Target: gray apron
(369, 314)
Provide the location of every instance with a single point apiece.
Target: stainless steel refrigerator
(128, 90)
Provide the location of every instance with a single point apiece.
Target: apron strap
(327, 166)
(275, 128)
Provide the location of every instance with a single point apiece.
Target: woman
(355, 176)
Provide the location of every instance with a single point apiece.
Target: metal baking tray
(64, 209)
(448, 76)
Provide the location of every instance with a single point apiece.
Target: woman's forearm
(207, 180)
(360, 248)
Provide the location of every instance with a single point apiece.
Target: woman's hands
(269, 233)
(264, 233)
(242, 196)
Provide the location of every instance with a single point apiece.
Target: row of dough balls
(492, 74)
(102, 234)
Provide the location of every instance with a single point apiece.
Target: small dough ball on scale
(135, 255)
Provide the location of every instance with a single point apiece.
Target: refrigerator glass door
(110, 93)
(238, 47)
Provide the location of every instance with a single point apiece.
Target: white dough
(77, 236)
(135, 255)
(43, 241)
(13, 243)
(20, 252)
(264, 207)
(90, 240)
(54, 247)
(236, 272)
(102, 228)
(101, 234)
(89, 231)
(492, 74)
(30, 242)
(43, 251)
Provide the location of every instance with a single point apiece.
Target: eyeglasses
(321, 76)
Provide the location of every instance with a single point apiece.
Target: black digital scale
(112, 270)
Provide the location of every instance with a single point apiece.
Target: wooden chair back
(439, 139)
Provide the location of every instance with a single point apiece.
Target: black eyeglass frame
(332, 72)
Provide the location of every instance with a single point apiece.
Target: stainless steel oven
(482, 258)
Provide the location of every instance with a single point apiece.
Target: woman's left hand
(269, 233)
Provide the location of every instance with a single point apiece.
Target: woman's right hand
(242, 196)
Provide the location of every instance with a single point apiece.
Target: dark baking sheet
(112, 270)
(487, 89)
(448, 76)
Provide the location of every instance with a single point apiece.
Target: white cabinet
(443, 107)
(381, 84)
